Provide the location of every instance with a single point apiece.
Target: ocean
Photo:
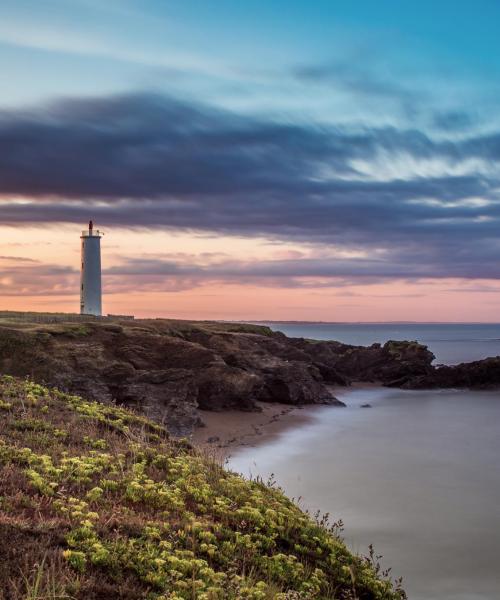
(451, 343)
(417, 475)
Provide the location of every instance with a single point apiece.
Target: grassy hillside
(97, 502)
(70, 321)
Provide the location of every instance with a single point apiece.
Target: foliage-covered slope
(97, 502)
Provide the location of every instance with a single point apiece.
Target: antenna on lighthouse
(90, 281)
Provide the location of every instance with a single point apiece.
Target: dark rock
(168, 397)
(331, 375)
(168, 369)
(336, 402)
(480, 374)
(365, 405)
(221, 387)
(392, 361)
(118, 372)
(293, 383)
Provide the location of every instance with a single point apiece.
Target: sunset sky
(296, 160)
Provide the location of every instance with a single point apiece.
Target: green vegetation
(72, 323)
(399, 348)
(97, 502)
(245, 328)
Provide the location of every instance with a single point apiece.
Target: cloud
(23, 277)
(146, 160)
(68, 39)
(456, 120)
(348, 75)
(17, 259)
(182, 272)
(174, 273)
(150, 146)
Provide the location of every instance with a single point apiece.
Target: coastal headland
(180, 373)
(99, 501)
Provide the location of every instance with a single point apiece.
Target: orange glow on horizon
(428, 300)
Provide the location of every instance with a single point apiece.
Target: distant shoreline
(285, 322)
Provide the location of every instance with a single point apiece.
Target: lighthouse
(90, 281)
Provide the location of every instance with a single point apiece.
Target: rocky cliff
(169, 369)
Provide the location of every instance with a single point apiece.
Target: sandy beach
(228, 430)
(225, 431)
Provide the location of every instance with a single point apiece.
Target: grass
(97, 502)
(67, 323)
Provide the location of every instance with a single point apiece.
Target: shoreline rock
(168, 369)
(480, 374)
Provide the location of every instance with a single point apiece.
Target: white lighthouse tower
(90, 282)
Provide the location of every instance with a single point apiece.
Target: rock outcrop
(341, 363)
(165, 369)
(480, 374)
(169, 369)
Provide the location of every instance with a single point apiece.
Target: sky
(322, 161)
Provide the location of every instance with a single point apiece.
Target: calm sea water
(451, 343)
(417, 475)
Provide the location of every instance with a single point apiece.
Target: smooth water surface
(417, 475)
(451, 343)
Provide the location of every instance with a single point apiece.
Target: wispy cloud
(75, 41)
(24, 277)
(348, 75)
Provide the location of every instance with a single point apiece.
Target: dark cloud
(153, 161)
(453, 121)
(153, 147)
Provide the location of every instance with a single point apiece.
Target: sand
(226, 431)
